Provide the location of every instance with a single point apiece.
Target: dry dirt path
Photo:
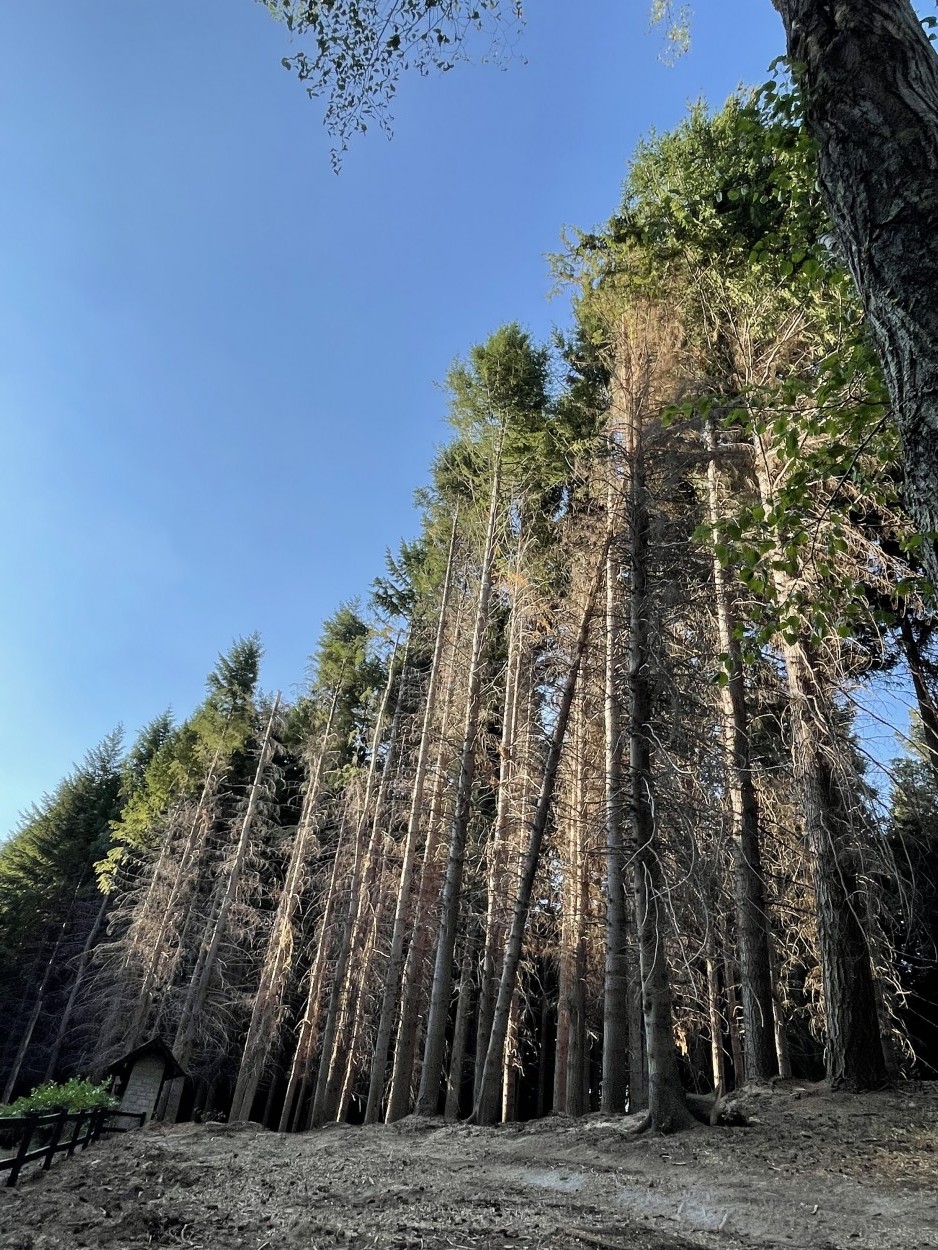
(812, 1170)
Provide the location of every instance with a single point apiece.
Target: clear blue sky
(218, 361)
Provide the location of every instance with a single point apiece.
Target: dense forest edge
(575, 813)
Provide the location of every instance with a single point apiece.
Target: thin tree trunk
(854, 1051)
(299, 1068)
(752, 922)
(208, 956)
(412, 981)
(615, 1079)
(487, 1102)
(732, 1023)
(415, 827)
(778, 1005)
(667, 1106)
(498, 845)
(717, 1064)
(27, 1037)
(327, 1090)
(457, 1062)
(80, 971)
(927, 710)
(434, 1047)
(566, 979)
(267, 1000)
(181, 879)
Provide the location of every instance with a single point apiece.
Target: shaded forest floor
(812, 1169)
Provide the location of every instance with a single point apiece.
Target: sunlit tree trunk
(208, 955)
(486, 1108)
(434, 1047)
(416, 826)
(328, 1078)
(498, 849)
(412, 980)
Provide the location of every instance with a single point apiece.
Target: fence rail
(86, 1127)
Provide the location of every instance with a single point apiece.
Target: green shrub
(77, 1094)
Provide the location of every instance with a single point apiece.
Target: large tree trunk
(870, 81)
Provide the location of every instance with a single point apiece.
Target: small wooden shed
(140, 1075)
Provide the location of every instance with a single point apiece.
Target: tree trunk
(415, 826)
(667, 1106)
(267, 1001)
(486, 1107)
(412, 980)
(432, 1072)
(457, 1061)
(854, 1050)
(328, 1078)
(298, 1080)
(717, 1065)
(208, 956)
(927, 710)
(77, 982)
(181, 881)
(498, 845)
(752, 922)
(615, 1079)
(870, 81)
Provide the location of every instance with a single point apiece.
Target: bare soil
(812, 1169)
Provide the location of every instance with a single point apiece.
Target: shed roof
(155, 1046)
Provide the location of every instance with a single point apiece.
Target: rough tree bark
(870, 81)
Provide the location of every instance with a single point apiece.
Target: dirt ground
(812, 1170)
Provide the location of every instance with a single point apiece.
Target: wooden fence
(64, 1133)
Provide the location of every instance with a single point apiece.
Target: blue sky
(219, 361)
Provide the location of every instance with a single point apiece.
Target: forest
(575, 812)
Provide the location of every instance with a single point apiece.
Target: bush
(76, 1094)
